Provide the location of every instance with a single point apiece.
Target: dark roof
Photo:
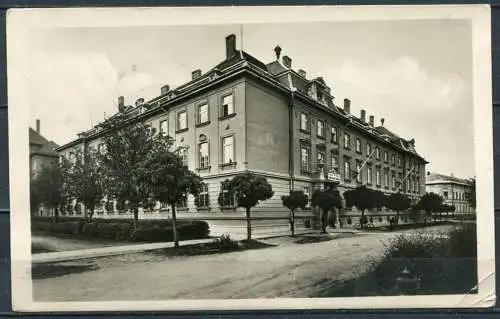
(435, 178)
(45, 147)
(36, 138)
(384, 131)
(275, 67)
(237, 58)
(48, 149)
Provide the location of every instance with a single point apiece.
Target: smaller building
(455, 191)
(42, 151)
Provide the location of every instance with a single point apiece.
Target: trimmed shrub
(121, 229)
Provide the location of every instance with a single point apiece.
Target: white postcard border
(20, 21)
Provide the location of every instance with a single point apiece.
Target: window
(393, 180)
(304, 159)
(393, 159)
(321, 158)
(369, 175)
(183, 154)
(377, 152)
(202, 198)
(72, 157)
(321, 129)
(228, 150)
(386, 156)
(225, 199)
(358, 145)
(181, 121)
(335, 162)
(386, 179)
(202, 113)
(359, 177)
(377, 177)
(335, 136)
(227, 105)
(400, 163)
(101, 148)
(164, 127)
(368, 149)
(304, 122)
(307, 192)
(204, 155)
(347, 141)
(347, 170)
(182, 203)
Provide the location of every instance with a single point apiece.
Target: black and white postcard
(251, 158)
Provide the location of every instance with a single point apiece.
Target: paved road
(288, 270)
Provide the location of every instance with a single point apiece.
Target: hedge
(120, 229)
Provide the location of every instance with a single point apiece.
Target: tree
(87, 181)
(169, 180)
(362, 198)
(398, 202)
(380, 200)
(429, 203)
(49, 187)
(126, 148)
(296, 199)
(326, 200)
(248, 190)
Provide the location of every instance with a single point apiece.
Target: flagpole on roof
(241, 37)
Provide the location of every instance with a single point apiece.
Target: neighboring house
(42, 151)
(454, 191)
(267, 118)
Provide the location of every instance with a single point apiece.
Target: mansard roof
(278, 74)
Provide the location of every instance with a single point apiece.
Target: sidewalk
(70, 255)
(107, 251)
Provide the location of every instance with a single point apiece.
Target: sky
(417, 75)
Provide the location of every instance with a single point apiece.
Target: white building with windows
(454, 191)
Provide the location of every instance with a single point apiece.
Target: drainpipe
(291, 153)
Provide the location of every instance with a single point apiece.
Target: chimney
(38, 126)
(139, 101)
(363, 116)
(347, 106)
(121, 104)
(195, 74)
(302, 73)
(277, 50)
(372, 120)
(287, 61)
(230, 46)
(165, 89)
(382, 120)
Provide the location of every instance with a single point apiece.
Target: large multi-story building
(273, 120)
(454, 191)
